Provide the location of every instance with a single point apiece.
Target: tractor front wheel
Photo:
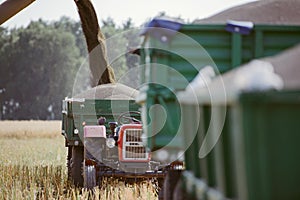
(90, 177)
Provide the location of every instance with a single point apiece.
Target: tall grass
(50, 182)
(33, 166)
(32, 182)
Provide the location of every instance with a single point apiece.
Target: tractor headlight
(110, 142)
(162, 155)
(76, 131)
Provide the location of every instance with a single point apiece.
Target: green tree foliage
(39, 64)
(74, 27)
(120, 43)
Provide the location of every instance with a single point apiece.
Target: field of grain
(33, 166)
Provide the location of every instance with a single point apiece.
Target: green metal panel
(217, 169)
(223, 160)
(256, 157)
(183, 59)
(227, 50)
(236, 49)
(87, 112)
(208, 162)
(163, 121)
(190, 126)
(259, 49)
(270, 129)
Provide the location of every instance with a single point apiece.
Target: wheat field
(33, 166)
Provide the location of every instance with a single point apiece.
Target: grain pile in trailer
(109, 91)
(286, 65)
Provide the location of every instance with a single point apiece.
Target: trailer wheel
(159, 191)
(90, 177)
(179, 193)
(170, 183)
(76, 166)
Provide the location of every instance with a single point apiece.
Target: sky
(120, 10)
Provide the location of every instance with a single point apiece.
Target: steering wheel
(126, 118)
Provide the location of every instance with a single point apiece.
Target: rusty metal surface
(11, 7)
(101, 71)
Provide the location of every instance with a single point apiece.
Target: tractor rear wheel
(69, 157)
(77, 165)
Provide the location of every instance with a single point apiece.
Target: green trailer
(172, 58)
(270, 135)
(194, 46)
(256, 154)
(255, 132)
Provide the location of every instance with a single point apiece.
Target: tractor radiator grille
(133, 146)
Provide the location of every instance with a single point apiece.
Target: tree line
(39, 64)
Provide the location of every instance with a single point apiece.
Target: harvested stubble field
(33, 166)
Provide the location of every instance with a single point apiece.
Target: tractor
(104, 137)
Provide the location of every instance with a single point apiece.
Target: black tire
(179, 193)
(76, 166)
(69, 157)
(170, 183)
(90, 177)
(160, 192)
